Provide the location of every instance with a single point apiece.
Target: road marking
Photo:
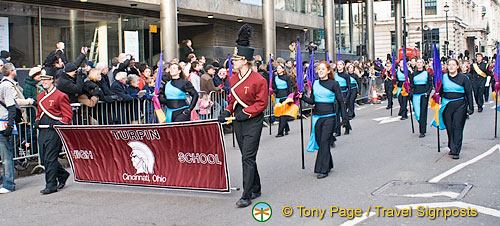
(360, 108)
(450, 194)
(463, 205)
(463, 165)
(358, 220)
(378, 108)
(388, 119)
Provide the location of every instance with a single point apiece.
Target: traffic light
(417, 45)
(476, 48)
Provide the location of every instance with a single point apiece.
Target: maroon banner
(175, 155)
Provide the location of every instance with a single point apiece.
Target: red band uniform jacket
(250, 91)
(54, 104)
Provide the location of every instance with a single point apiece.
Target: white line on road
(358, 220)
(463, 165)
(450, 194)
(480, 209)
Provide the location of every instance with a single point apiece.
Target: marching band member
(345, 87)
(173, 95)
(388, 83)
(402, 99)
(325, 93)
(456, 104)
(479, 75)
(421, 86)
(53, 109)
(249, 92)
(282, 86)
(354, 80)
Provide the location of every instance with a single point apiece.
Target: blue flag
(496, 75)
(340, 58)
(310, 74)
(230, 66)
(270, 72)
(327, 57)
(299, 69)
(393, 69)
(159, 76)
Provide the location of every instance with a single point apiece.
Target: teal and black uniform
(403, 110)
(344, 81)
(173, 95)
(325, 94)
(421, 86)
(456, 103)
(282, 87)
(351, 98)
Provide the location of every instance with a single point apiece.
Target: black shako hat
(243, 49)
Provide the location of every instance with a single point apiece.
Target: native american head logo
(142, 157)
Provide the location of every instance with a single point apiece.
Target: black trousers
(350, 103)
(424, 103)
(389, 87)
(50, 146)
(403, 101)
(454, 116)
(177, 116)
(323, 131)
(479, 89)
(283, 126)
(248, 136)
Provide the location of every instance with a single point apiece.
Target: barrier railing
(133, 112)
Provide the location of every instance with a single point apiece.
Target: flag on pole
(310, 74)
(393, 69)
(340, 58)
(299, 69)
(438, 82)
(496, 74)
(156, 102)
(270, 72)
(230, 66)
(406, 84)
(327, 57)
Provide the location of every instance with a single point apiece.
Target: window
(339, 12)
(430, 7)
(393, 41)
(392, 8)
(430, 37)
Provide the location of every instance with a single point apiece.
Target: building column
(120, 35)
(398, 31)
(329, 19)
(168, 32)
(73, 36)
(370, 22)
(269, 28)
(351, 28)
(102, 41)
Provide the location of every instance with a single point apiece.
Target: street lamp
(446, 9)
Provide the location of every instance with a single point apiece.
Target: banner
(187, 155)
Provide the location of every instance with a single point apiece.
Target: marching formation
(180, 92)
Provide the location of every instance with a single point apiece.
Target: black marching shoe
(47, 191)
(480, 110)
(286, 133)
(455, 157)
(422, 135)
(346, 132)
(322, 175)
(279, 135)
(62, 182)
(388, 108)
(255, 195)
(243, 202)
(404, 117)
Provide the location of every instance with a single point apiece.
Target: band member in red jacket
(249, 99)
(53, 109)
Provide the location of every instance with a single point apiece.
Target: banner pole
(232, 128)
(301, 134)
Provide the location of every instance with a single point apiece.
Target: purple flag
(310, 74)
(327, 57)
(496, 72)
(230, 66)
(299, 69)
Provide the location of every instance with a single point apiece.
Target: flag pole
(270, 87)
(411, 116)
(496, 115)
(270, 115)
(439, 142)
(301, 134)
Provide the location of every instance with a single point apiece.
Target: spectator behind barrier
(119, 87)
(70, 82)
(133, 86)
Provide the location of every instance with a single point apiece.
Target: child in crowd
(205, 104)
